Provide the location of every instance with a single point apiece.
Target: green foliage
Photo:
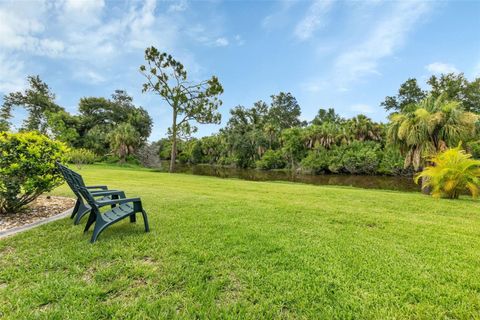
(453, 86)
(452, 172)
(317, 161)
(37, 100)
(473, 147)
(27, 168)
(428, 127)
(123, 140)
(293, 147)
(408, 94)
(284, 111)
(271, 159)
(100, 116)
(327, 115)
(457, 87)
(392, 162)
(81, 156)
(360, 158)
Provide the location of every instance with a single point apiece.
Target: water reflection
(369, 182)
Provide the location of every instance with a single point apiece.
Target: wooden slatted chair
(121, 208)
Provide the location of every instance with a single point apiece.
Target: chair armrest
(119, 193)
(102, 187)
(118, 201)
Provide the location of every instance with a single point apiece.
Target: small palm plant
(452, 172)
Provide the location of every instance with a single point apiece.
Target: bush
(316, 161)
(271, 160)
(361, 157)
(27, 168)
(452, 172)
(81, 156)
(392, 162)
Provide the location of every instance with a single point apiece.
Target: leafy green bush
(271, 160)
(316, 161)
(27, 168)
(392, 162)
(81, 156)
(355, 158)
(452, 172)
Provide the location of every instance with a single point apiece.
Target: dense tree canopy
(37, 100)
(453, 86)
(91, 128)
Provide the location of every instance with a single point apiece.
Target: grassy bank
(239, 249)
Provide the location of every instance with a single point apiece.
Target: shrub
(271, 160)
(392, 162)
(316, 161)
(81, 156)
(361, 157)
(27, 168)
(355, 158)
(452, 172)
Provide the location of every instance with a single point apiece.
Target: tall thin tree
(198, 101)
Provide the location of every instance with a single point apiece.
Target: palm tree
(327, 135)
(363, 128)
(123, 140)
(422, 130)
(453, 171)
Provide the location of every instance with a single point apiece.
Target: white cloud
(439, 67)
(81, 14)
(221, 42)
(179, 6)
(314, 19)
(362, 108)
(386, 36)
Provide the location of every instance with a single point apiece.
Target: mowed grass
(258, 250)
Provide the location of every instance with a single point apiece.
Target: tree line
(265, 135)
(272, 136)
(102, 125)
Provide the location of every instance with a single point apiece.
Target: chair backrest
(67, 175)
(88, 197)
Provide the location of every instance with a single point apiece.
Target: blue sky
(343, 54)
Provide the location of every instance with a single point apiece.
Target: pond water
(368, 182)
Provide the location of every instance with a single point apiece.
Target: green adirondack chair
(74, 180)
(121, 208)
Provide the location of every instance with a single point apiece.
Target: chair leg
(97, 230)
(91, 220)
(75, 209)
(145, 221)
(133, 218)
(83, 210)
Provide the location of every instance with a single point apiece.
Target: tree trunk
(173, 154)
(426, 190)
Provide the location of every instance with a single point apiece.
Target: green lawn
(258, 250)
